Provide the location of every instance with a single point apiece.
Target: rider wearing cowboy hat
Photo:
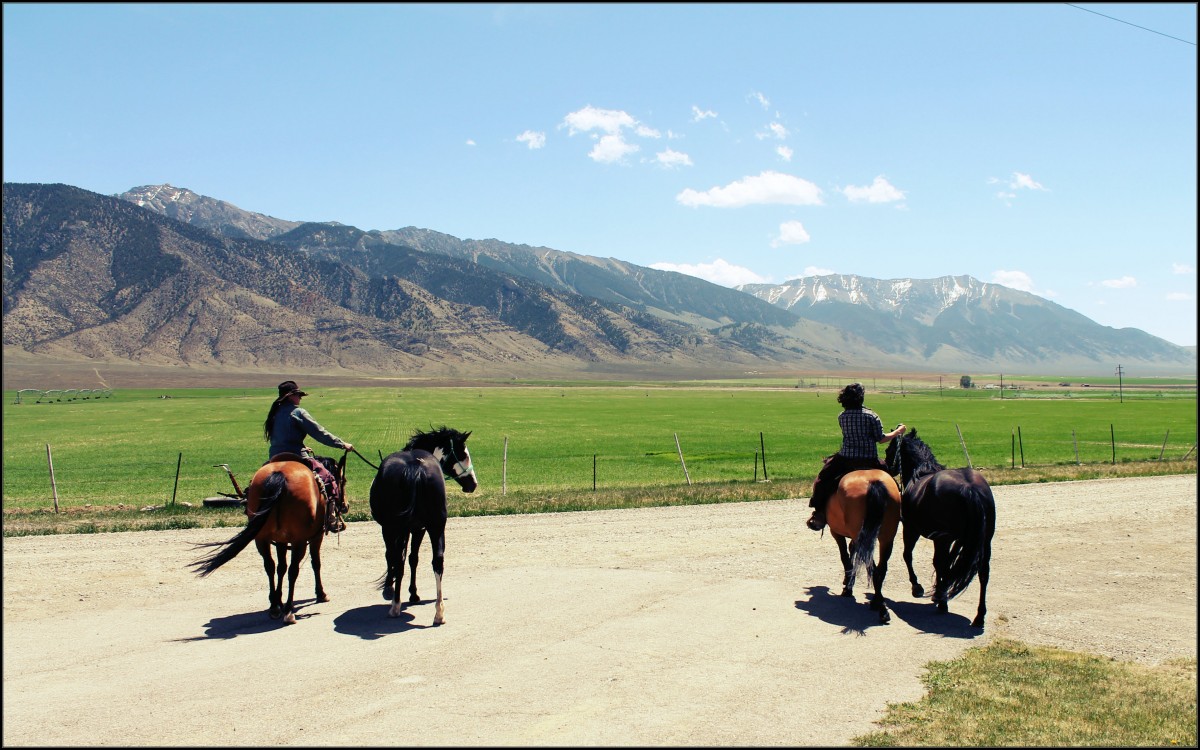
(287, 425)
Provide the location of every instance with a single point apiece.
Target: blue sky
(1047, 147)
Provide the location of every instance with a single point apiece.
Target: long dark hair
(270, 420)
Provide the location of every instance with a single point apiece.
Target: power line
(1134, 25)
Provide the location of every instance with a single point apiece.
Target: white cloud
(1182, 269)
(1018, 280)
(611, 148)
(791, 233)
(532, 139)
(646, 131)
(1018, 181)
(1180, 297)
(1025, 181)
(699, 114)
(776, 130)
(718, 272)
(758, 97)
(589, 118)
(671, 158)
(767, 188)
(470, 142)
(784, 152)
(1125, 282)
(879, 191)
(817, 271)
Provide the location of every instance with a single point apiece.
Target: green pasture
(530, 441)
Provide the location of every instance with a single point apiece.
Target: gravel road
(702, 625)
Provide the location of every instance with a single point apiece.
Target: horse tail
(273, 489)
(864, 546)
(968, 552)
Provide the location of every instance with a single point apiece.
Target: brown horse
(288, 510)
(865, 508)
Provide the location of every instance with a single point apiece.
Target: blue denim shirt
(291, 425)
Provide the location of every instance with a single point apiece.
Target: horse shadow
(372, 622)
(924, 617)
(852, 615)
(248, 623)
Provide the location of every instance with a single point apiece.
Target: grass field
(533, 443)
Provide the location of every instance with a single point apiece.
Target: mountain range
(162, 275)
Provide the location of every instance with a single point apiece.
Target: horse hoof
(918, 591)
(290, 619)
(322, 597)
(439, 621)
(389, 593)
(977, 623)
(414, 599)
(275, 614)
(885, 617)
(395, 610)
(847, 593)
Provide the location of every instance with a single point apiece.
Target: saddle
(335, 504)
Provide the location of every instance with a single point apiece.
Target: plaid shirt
(861, 433)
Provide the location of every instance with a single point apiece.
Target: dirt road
(704, 625)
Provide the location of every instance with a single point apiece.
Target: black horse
(408, 496)
(952, 507)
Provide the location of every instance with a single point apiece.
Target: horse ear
(465, 436)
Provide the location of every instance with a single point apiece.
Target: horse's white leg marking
(394, 611)
(439, 616)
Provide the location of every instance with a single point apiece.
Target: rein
(364, 460)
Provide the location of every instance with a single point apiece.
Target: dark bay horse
(408, 497)
(865, 508)
(952, 507)
(286, 509)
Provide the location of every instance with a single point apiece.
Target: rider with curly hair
(862, 432)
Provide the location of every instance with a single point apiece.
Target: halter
(458, 469)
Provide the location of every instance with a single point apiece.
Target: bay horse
(952, 507)
(287, 509)
(408, 497)
(866, 508)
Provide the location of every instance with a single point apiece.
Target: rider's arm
(316, 431)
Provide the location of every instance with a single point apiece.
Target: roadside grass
(549, 448)
(1009, 694)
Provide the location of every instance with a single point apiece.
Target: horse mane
(434, 437)
(920, 455)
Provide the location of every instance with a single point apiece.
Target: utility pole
(1120, 387)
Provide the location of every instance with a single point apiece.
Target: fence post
(1012, 461)
(177, 467)
(763, 446)
(504, 469)
(1076, 441)
(681, 463)
(593, 472)
(1112, 436)
(54, 487)
(1021, 445)
(1164, 448)
(964, 446)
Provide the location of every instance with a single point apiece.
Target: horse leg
(396, 563)
(984, 570)
(879, 603)
(289, 612)
(273, 592)
(437, 540)
(911, 535)
(314, 544)
(848, 576)
(941, 567)
(414, 547)
(389, 577)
